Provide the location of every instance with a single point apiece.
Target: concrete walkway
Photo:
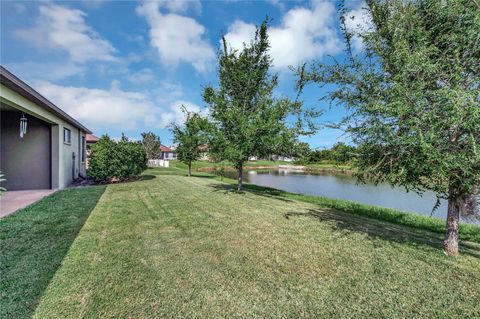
(11, 201)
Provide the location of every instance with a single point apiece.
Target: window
(83, 149)
(67, 136)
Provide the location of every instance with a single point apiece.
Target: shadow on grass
(253, 189)
(345, 222)
(33, 243)
(376, 222)
(147, 177)
(202, 176)
(468, 232)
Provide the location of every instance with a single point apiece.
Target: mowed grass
(206, 165)
(177, 247)
(468, 232)
(33, 243)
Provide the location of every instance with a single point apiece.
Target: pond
(344, 186)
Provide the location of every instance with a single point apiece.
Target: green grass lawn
(207, 166)
(330, 167)
(33, 243)
(468, 232)
(199, 165)
(178, 247)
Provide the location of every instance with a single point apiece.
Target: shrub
(132, 157)
(121, 160)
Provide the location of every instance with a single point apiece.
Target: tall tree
(151, 144)
(248, 120)
(189, 138)
(413, 96)
(301, 152)
(342, 153)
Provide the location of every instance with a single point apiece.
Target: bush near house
(116, 160)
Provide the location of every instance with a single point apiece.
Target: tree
(413, 95)
(151, 144)
(190, 138)
(301, 152)
(247, 120)
(342, 153)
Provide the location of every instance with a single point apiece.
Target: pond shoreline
(302, 168)
(468, 232)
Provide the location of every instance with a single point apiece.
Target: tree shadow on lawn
(253, 189)
(34, 242)
(202, 176)
(147, 177)
(346, 222)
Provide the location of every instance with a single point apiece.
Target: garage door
(25, 162)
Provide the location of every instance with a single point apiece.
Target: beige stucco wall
(62, 162)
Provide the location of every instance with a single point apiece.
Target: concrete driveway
(11, 201)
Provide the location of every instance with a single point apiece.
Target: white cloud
(357, 21)
(102, 109)
(303, 34)
(278, 3)
(64, 29)
(175, 114)
(166, 92)
(182, 6)
(52, 71)
(177, 38)
(141, 77)
(239, 33)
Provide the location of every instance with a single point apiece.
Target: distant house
(91, 139)
(167, 153)
(283, 158)
(42, 147)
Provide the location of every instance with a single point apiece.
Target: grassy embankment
(173, 246)
(434, 224)
(205, 166)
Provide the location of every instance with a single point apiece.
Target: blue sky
(128, 66)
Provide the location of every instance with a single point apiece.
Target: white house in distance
(42, 147)
(167, 153)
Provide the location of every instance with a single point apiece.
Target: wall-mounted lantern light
(23, 125)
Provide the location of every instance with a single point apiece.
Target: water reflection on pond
(343, 186)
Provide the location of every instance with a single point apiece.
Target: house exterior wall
(63, 168)
(27, 158)
(168, 155)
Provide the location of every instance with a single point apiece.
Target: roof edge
(13, 82)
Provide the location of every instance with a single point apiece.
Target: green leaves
(413, 95)
(151, 144)
(121, 160)
(190, 137)
(247, 118)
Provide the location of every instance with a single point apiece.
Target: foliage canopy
(412, 95)
(190, 138)
(247, 119)
(151, 143)
(110, 159)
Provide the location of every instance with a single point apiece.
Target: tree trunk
(450, 244)
(189, 168)
(240, 176)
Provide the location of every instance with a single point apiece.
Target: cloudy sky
(128, 66)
